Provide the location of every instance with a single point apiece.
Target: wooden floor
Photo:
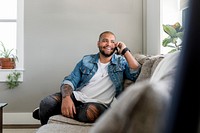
(20, 128)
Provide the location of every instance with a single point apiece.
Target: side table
(1, 116)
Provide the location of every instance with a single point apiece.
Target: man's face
(106, 44)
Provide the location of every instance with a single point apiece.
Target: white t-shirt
(100, 88)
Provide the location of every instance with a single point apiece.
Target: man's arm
(66, 90)
(67, 108)
(132, 62)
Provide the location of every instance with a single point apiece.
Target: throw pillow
(145, 72)
(148, 66)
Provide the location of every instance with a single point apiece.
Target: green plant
(175, 36)
(13, 79)
(7, 53)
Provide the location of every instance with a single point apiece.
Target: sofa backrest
(143, 106)
(149, 64)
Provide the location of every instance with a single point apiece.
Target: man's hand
(67, 108)
(121, 46)
(132, 62)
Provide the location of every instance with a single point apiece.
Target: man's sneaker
(36, 114)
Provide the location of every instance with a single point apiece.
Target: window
(8, 21)
(185, 13)
(170, 15)
(11, 33)
(184, 8)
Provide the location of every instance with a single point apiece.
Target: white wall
(58, 33)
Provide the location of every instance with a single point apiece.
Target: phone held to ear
(117, 51)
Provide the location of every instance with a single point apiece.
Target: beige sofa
(140, 108)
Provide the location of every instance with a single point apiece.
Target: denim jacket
(118, 70)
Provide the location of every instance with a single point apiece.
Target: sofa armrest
(59, 119)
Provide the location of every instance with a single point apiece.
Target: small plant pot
(7, 63)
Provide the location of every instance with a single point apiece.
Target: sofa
(141, 108)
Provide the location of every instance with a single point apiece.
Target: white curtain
(183, 4)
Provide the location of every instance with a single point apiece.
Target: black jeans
(85, 112)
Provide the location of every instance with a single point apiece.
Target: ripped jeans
(85, 112)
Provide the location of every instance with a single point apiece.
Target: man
(91, 87)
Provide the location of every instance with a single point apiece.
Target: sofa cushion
(145, 72)
(156, 62)
(140, 58)
(149, 64)
(63, 128)
(140, 109)
(64, 120)
(127, 83)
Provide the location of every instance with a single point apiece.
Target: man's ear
(98, 43)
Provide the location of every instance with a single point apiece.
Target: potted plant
(7, 58)
(175, 36)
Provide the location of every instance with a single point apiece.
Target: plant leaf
(13, 80)
(169, 30)
(166, 41)
(177, 26)
(180, 35)
(171, 46)
(173, 50)
(7, 53)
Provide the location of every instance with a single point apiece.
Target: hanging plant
(13, 79)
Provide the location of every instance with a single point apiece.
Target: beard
(105, 54)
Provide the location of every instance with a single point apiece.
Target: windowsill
(5, 72)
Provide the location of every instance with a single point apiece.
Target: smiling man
(93, 84)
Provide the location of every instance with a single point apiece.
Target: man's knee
(49, 106)
(92, 113)
(49, 102)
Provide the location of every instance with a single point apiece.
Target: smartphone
(117, 51)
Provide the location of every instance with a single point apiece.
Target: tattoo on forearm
(66, 90)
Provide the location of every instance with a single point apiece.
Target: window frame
(20, 43)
